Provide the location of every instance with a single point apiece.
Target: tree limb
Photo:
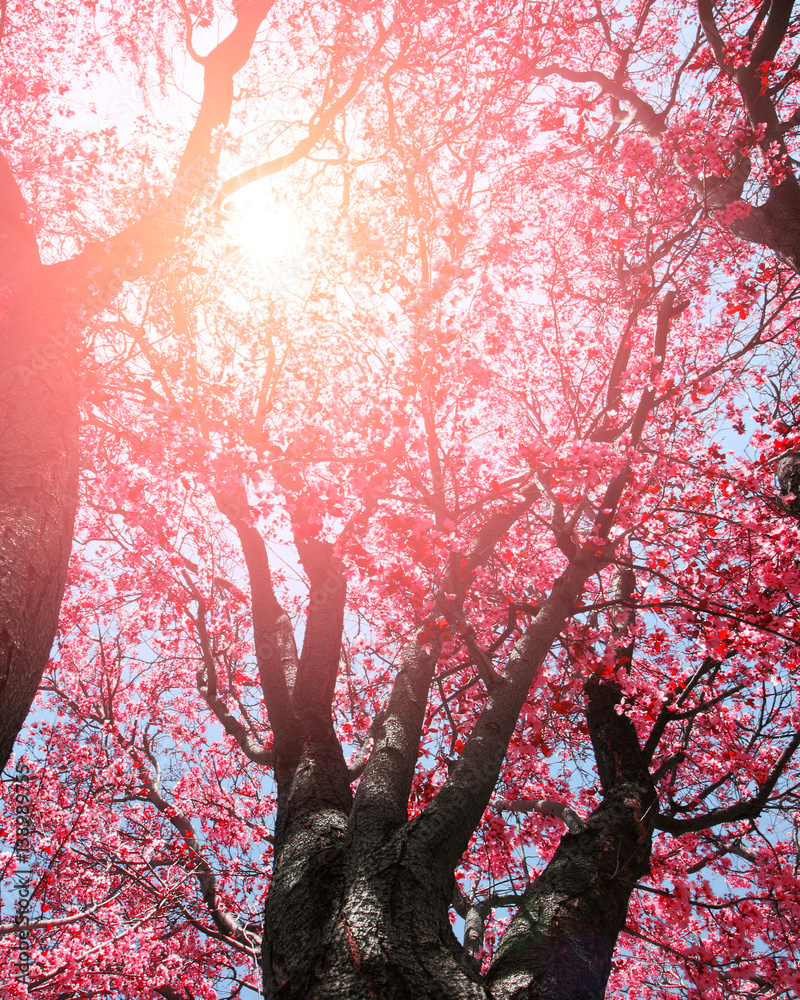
(746, 809)
(276, 652)
(206, 676)
(545, 807)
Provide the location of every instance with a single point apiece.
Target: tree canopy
(415, 388)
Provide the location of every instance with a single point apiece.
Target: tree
(413, 540)
(738, 153)
(45, 306)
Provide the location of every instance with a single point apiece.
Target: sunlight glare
(267, 233)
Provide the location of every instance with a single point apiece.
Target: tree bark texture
(351, 917)
(38, 463)
(360, 896)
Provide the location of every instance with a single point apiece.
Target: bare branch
(316, 133)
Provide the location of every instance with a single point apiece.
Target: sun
(264, 228)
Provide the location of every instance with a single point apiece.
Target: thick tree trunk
(361, 924)
(38, 463)
(360, 896)
(347, 925)
(359, 901)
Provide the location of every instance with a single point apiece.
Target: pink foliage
(468, 330)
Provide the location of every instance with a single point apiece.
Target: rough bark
(360, 896)
(38, 463)
(561, 942)
(351, 916)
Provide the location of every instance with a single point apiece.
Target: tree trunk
(360, 896)
(358, 905)
(38, 463)
(345, 925)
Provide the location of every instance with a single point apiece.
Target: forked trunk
(373, 923)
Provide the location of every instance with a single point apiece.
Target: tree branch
(316, 132)
(774, 33)
(54, 922)
(276, 652)
(382, 795)
(195, 864)
(644, 114)
(206, 676)
(322, 643)
(746, 809)
(561, 940)
(221, 65)
(381, 801)
(445, 827)
(92, 278)
(544, 807)
(705, 11)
